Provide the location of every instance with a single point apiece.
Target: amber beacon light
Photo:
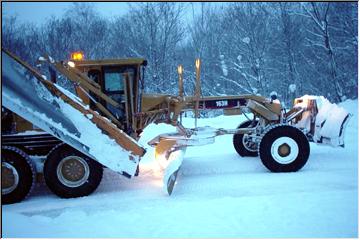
(77, 56)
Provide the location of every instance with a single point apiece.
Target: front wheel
(69, 173)
(284, 149)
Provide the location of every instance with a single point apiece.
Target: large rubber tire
(284, 149)
(68, 173)
(18, 175)
(239, 143)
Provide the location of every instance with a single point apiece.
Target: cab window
(113, 85)
(113, 80)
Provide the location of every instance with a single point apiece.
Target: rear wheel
(17, 175)
(284, 149)
(69, 173)
(243, 143)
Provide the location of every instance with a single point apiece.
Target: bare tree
(153, 31)
(250, 41)
(287, 49)
(81, 28)
(22, 39)
(321, 39)
(207, 34)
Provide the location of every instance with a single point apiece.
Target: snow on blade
(98, 142)
(102, 147)
(29, 98)
(330, 122)
(28, 132)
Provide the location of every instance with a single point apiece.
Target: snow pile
(152, 131)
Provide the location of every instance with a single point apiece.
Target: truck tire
(242, 145)
(284, 148)
(18, 175)
(68, 173)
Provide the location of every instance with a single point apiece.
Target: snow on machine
(100, 125)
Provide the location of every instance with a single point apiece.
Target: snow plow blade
(63, 115)
(330, 125)
(325, 121)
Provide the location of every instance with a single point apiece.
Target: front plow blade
(49, 107)
(325, 121)
(330, 125)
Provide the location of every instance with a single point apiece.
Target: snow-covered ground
(218, 195)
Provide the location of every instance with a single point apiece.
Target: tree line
(245, 48)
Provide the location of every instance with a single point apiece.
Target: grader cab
(100, 125)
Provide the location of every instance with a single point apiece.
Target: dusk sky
(38, 12)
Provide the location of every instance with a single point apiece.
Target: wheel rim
(73, 171)
(9, 178)
(248, 144)
(284, 150)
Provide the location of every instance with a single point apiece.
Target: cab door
(118, 84)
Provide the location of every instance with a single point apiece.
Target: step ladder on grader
(99, 125)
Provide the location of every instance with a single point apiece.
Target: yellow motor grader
(100, 124)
